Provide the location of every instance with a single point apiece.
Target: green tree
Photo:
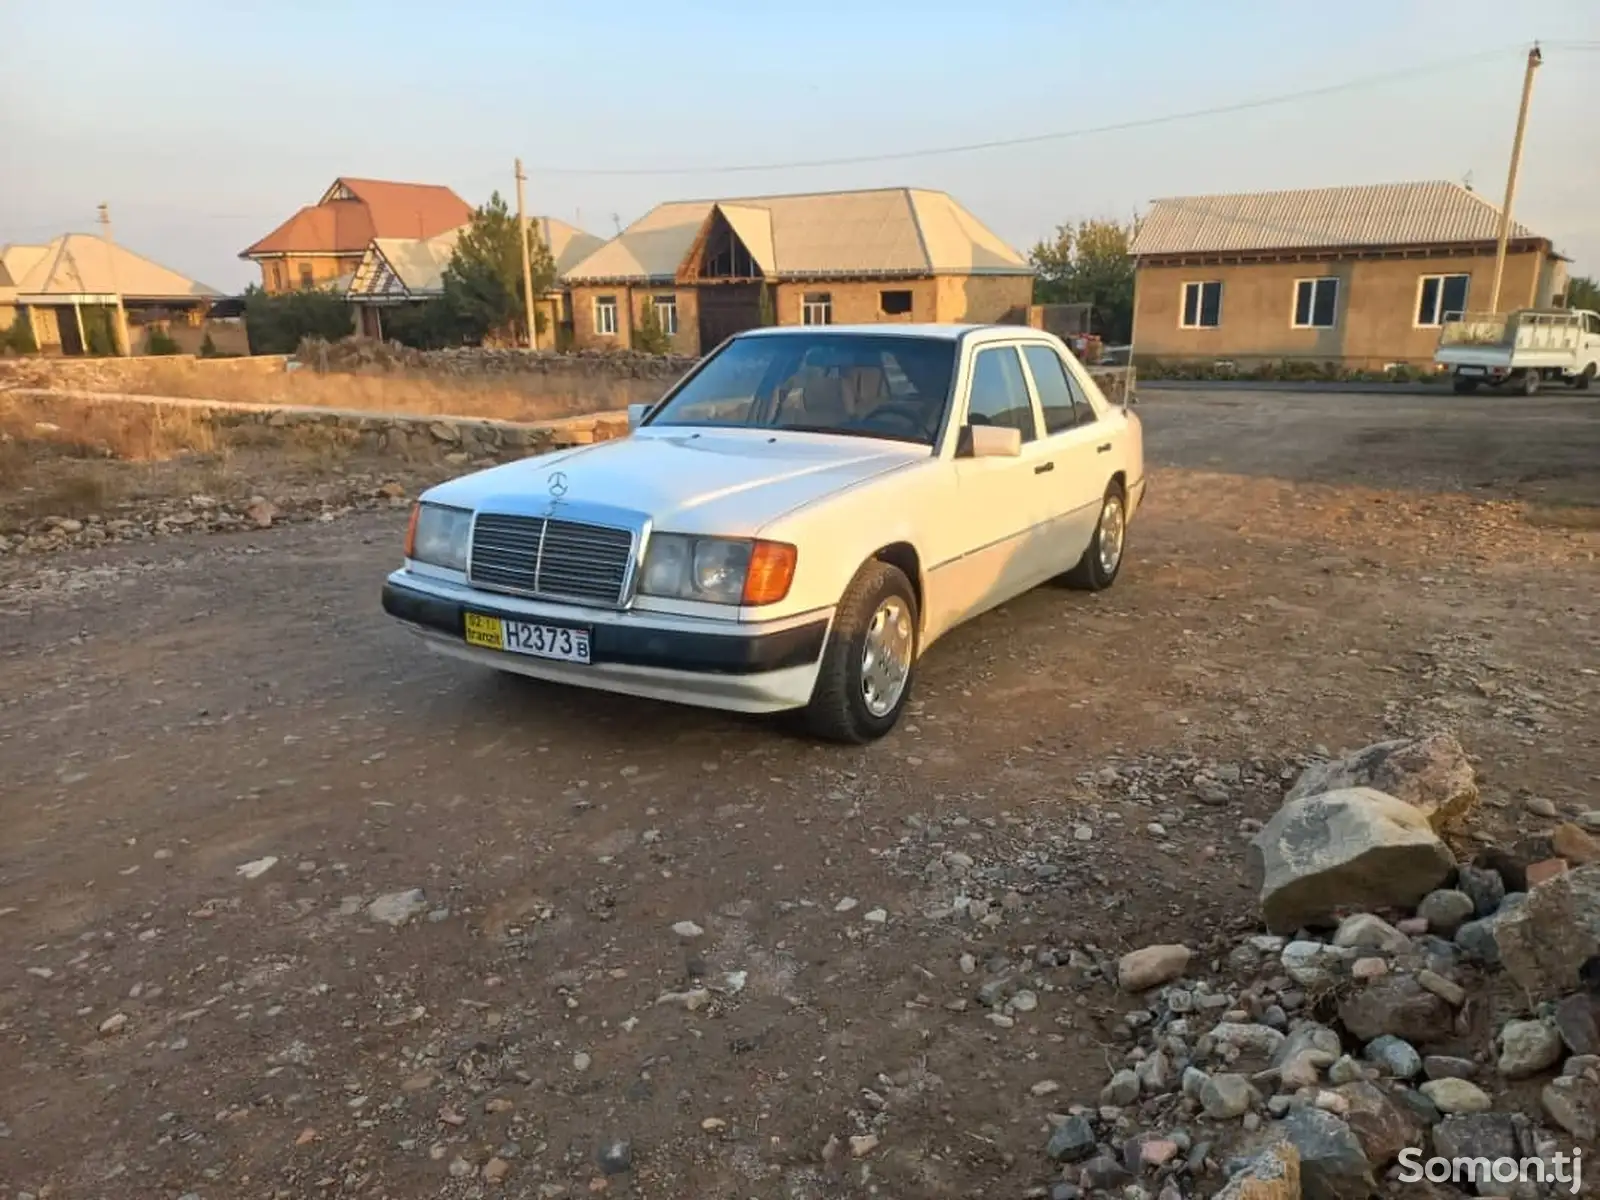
(1583, 292)
(208, 348)
(649, 335)
(19, 338)
(483, 283)
(277, 324)
(99, 331)
(769, 311)
(1089, 263)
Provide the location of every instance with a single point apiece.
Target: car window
(1063, 404)
(859, 385)
(999, 392)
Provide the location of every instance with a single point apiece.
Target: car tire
(869, 662)
(1581, 381)
(1102, 561)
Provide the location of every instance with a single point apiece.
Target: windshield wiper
(876, 434)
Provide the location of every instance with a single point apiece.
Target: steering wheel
(895, 417)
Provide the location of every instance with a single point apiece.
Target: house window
(894, 304)
(817, 309)
(277, 277)
(306, 278)
(1316, 303)
(667, 314)
(1202, 305)
(605, 316)
(1441, 296)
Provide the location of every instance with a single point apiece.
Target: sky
(204, 131)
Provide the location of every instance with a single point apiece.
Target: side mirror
(636, 415)
(989, 441)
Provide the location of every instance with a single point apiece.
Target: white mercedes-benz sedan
(790, 527)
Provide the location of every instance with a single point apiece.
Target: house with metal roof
(323, 243)
(711, 268)
(70, 291)
(1360, 277)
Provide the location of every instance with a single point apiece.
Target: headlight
(438, 536)
(717, 570)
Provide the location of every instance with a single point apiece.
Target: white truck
(1524, 348)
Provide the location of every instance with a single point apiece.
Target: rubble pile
(1399, 998)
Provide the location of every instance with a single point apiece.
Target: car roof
(949, 333)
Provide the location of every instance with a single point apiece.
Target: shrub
(649, 336)
(19, 338)
(208, 348)
(160, 341)
(276, 324)
(99, 331)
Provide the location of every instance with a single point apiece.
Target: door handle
(1043, 467)
(1103, 449)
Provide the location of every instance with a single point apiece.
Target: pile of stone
(1399, 999)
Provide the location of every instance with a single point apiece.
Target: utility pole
(527, 266)
(119, 326)
(1534, 59)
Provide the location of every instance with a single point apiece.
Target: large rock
(1430, 773)
(1350, 849)
(1400, 1006)
(1333, 1165)
(1272, 1174)
(1476, 1135)
(1546, 940)
(1381, 1126)
(1528, 1047)
(1152, 966)
(1574, 1105)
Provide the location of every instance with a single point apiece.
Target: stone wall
(108, 374)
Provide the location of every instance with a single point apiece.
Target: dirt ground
(181, 1017)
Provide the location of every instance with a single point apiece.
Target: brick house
(324, 243)
(711, 268)
(1361, 277)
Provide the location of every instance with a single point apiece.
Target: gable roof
(81, 264)
(405, 267)
(17, 260)
(885, 231)
(568, 245)
(1385, 214)
(354, 211)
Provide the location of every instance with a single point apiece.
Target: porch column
(83, 342)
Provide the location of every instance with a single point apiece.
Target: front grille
(565, 560)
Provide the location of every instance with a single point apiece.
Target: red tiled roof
(380, 209)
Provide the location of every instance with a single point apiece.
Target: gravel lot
(726, 947)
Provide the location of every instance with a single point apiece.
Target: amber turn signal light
(771, 572)
(411, 529)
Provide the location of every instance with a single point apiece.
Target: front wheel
(867, 666)
(1583, 379)
(1097, 569)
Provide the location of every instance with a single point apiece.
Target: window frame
(1199, 304)
(911, 302)
(1314, 281)
(1083, 413)
(812, 302)
(666, 310)
(1032, 400)
(1438, 301)
(607, 305)
(308, 276)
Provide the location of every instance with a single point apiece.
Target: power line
(1061, 135)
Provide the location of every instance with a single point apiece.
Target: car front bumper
(755, 668)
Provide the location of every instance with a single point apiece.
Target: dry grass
(501, 399)
(75, 458)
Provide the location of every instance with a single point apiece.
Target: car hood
(690, 480)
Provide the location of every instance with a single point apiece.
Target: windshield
(860, 385)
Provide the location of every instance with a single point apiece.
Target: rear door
(1079, 449)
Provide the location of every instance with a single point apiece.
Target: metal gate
(727, 309)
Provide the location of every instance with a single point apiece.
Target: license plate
(560, 642)
(1474, 370)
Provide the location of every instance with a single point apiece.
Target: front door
(727, 309)
(1079, 451)
(987, 547)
